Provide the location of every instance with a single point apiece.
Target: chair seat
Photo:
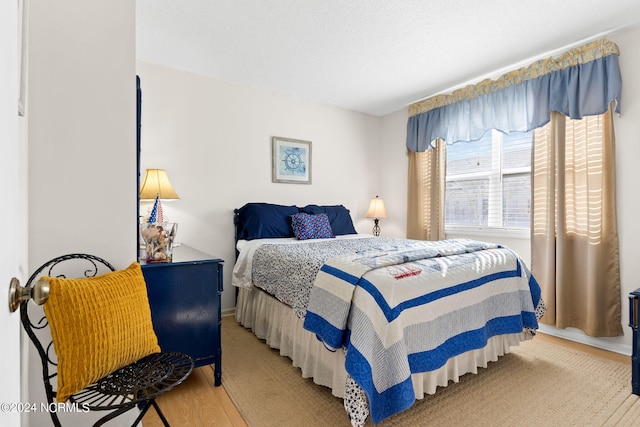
(138, 382)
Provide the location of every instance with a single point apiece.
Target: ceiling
(371, 56)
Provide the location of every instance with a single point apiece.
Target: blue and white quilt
(408, 308)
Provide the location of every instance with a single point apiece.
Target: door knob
(39, 293)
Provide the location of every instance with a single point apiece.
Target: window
(489, 182)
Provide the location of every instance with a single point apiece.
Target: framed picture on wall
(291, 160)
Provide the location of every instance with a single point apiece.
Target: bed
(381, 321)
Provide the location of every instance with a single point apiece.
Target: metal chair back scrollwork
(137, 384)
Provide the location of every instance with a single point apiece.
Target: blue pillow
(339, 218)
(265, 220)
(307, 226)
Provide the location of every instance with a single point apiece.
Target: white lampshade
(156, 183)
(377, 209)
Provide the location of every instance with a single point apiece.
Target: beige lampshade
(377, 209)
(156, 183)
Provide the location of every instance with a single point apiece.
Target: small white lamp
(376, 211)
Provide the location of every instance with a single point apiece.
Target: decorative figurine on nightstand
(376, 211)
(158, 236)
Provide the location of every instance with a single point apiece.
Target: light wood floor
(197, 403)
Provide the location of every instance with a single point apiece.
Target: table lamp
(376, 211)
(157, 233)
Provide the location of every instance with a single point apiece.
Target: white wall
(82, 129)
(82, 146)
(214, 140)
(627, 128)
(393, 173)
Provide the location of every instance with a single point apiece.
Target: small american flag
(154, 211)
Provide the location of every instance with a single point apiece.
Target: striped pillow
(307, 226)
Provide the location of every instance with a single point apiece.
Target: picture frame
(291, 160)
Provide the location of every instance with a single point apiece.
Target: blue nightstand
(185, 305)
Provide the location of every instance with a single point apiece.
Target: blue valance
(581, 82)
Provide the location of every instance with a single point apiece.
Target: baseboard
(577, 336)
(228, 312)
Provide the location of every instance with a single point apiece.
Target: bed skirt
(277, 324)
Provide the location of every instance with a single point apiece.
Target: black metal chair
(138, 384)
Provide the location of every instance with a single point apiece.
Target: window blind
(489, 181)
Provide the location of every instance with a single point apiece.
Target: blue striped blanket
(408, 308)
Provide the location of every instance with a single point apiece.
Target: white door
(9, 215)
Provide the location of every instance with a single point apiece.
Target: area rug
(537, 384)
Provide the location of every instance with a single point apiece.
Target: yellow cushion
(98, 325)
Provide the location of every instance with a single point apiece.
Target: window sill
(512, 233)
